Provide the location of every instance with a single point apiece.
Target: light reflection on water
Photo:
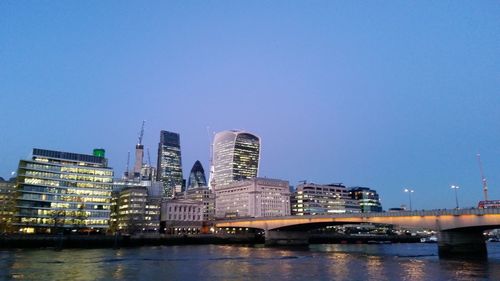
(374, 267)
(209, 262)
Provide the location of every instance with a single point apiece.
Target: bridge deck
(431, 219)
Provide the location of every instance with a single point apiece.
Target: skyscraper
(235, 157)
(197, 176)
(170, 163)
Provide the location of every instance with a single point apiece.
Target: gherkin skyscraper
(197, 176)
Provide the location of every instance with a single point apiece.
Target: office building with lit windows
(169, 170)
(367, 199)
(63, 191)
(322, 199)
(257, 197)
(135, 206)
(7, 197)
(235, 157)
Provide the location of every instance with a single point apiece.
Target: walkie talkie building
(235, 157)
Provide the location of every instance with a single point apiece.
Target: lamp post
(410, 191)
(455, 187)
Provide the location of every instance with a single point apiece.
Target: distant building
(257, 197)
(181, 216)
(235, 157)
(197, 176)
(148, 173)
(7, 203)
(135, 206)
(322, 199)
(367, 198)
(204, 195)
(397, 209)
(169, 163)
(63, 191)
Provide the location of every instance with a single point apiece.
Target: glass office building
(197, 176)
(169, 170)
(61, 191)
(235, 157)
(7, 197)
(367, 198)
(322, 199)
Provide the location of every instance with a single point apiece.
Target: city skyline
(393, 96)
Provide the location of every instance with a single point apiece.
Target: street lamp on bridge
(410, 191)
(455, 187)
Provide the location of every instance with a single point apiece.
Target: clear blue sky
(385, 94)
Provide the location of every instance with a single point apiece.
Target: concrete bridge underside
(460, 231)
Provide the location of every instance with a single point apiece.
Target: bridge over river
(460, 231)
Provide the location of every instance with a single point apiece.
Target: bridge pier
(462, 244)
(286, 238)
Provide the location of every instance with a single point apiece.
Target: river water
(215, 262)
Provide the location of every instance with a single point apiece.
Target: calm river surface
(214, 262)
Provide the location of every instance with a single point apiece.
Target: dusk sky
(384, 94)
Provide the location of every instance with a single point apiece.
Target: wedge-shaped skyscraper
(235, 157)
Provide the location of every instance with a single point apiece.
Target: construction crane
(139, 153)
(141, 134)
(483, 179)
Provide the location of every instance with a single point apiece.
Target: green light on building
(99, 152)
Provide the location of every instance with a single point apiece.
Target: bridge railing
(421, 213)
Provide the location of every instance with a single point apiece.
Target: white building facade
(204, 195)
(181, 216)
(257, 197)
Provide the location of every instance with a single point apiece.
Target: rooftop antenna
(483, 179)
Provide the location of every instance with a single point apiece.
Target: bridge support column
(286, 238)
(462, 244)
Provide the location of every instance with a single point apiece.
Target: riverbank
(110, 241)
(118, 241)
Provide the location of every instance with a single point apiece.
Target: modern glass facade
(7, 196)
(197, 176)
(63, 191)
(169, 170)
(235, 157)
(135, 206)
(367, 198)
